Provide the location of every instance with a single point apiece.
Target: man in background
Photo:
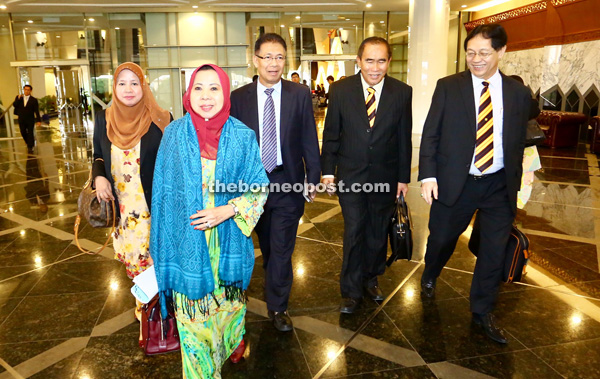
(28, 111)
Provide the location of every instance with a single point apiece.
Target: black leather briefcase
(400, 232)
(517, 252)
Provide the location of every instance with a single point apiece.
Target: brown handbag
(159, 335)
(99, 214)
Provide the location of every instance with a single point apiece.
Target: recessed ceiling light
(91, 19)
(39, 32)
(463, 6)
(194, 6)
(30, 21)
(369, 5)
(117, 28)
(297, 17)
(57, 36)
(382, 22)
(283, 26)
(2, 6)
(347, 19)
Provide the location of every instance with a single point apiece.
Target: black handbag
(534, 135)
(400, 232)
(517, 252)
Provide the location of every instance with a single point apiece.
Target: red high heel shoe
(238, 353)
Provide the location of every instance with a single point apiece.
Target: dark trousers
(446, 224)
(366, 222)
(276, 230)
(27, 130)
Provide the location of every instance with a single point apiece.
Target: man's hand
(429, 191)
(38, 123)
(20, 96)
(329, 183)
(312, 191)
(402, 187)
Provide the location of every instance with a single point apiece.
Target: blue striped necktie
(269, 137)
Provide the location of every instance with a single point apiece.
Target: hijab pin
(206, 119)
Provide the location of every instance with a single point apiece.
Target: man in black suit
(471, 159)
(280, 112)
(367, 141)
(27, 108)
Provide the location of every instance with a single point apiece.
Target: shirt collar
(261, 89)
(378, 87)
(495, 80)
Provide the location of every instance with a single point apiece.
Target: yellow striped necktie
(484, 147)
(371, 109)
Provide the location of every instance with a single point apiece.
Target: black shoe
(281, 320)
(374, 292)
(349, 305)
(487, 322)
(428, 288)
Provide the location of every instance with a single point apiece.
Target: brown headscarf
(126, 125)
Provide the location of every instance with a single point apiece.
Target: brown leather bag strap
(112, 230)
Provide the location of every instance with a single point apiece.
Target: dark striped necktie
(484, 150)
(269, 138)
(371, 109)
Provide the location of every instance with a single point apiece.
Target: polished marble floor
(64, 314)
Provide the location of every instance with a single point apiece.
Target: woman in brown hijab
(126, 140)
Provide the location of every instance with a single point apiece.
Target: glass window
(196, 56)
(376, 24)
(49, 37)
(590, 103)
(126, 32)
(552, 99)
(157, 34)
(572, 101)
(399, 43)
(331, 32)
(196, 29)
(236, 33)
(166, 88)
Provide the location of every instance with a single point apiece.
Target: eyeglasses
(482, 54)
(269, 59)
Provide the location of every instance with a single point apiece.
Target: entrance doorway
(63, 91)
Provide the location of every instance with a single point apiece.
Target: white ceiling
(124, 6)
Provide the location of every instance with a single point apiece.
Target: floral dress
(208, 339)
(131, 239)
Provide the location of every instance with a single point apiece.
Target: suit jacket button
(370, 147)
(368, 130)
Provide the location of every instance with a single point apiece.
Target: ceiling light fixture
(92, 19)
(2, 6)
(283, 26)
(382, 22)
(463, 6)
(117, 28)
(195, 6)
(369, 5)
(30, 21)
(297, 17)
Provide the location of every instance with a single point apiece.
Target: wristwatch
(235, 209)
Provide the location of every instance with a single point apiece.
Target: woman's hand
(103, 189)
(209, 218)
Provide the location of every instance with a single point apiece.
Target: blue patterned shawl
(180, 252)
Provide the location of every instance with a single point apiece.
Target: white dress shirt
(262, 97)
(25, 100)
(495, 89)
(378, 88)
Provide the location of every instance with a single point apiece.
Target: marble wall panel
(576, 64)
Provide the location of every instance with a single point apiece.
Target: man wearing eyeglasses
(471, 160)
(280, 113)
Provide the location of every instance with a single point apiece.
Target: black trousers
(446, 224)
(276, 230)
(27, 130)
(366, 221)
